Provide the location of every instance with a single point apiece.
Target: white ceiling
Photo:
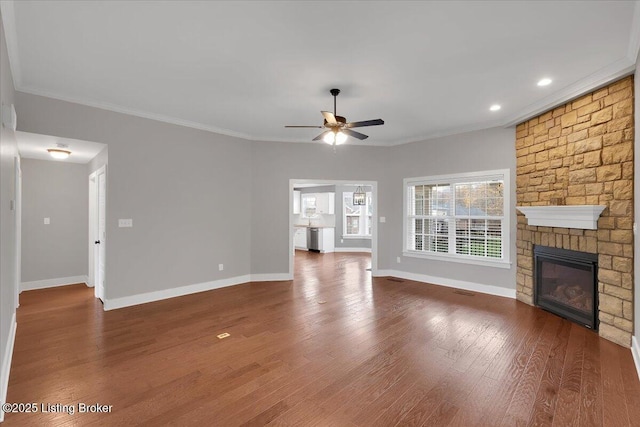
(34, 146)
(249, 68)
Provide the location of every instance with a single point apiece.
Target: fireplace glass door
(566, 284)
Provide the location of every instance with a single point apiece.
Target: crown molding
(621, 68)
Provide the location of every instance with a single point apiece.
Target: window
(356, 218)
(458, 217)
(309, 206)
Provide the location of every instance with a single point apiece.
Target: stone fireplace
(578, 154)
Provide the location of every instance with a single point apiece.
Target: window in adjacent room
(356, 218)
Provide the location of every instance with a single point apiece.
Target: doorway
(97, 230)
(297, 206)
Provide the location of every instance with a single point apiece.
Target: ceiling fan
(337, 127)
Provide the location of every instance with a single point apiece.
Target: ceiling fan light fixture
(58, 153)
(329, 138)
(341, 138)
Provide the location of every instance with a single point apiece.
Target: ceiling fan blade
(319, 137)
(329, 117)
(355, 134)
(375, 122)
(315, 127)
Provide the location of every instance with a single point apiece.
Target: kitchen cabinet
(296, 202)
(325, 203)
(300, 238)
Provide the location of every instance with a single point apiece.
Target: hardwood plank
(377, 352)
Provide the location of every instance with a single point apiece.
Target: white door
(101, 240)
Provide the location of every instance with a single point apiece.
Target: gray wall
(8, 235)
(474, 151)
(274, 165)
(59, 191)
(187, 191)
(348, 243)
(198, 199)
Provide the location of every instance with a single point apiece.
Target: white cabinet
(300, 238)
(326, 242)
(313, 204)
(296, 202)
(325, 203)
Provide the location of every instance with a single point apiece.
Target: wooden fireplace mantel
(571, 216)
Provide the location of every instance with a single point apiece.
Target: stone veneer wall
(582, 154)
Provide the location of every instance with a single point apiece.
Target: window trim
(363, 215)
(504, 174)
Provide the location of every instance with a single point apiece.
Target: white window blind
(461, 216)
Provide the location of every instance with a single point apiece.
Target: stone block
(627, 280)
(609, 172)
(621, 84)
(627, 170)
(618, 292)
(624, 223)
(621, 236)
(578, 136)
(610, 248)
(605, 261)
(623, 189)
(627, 250)
(601, 116)
(581, 102)
(617, 96)
(623, 324)
(627, 309)
(558, 152)
(610, 277)
(614, 334)
(621, 264)
(612, 138)
(600, 93)
(583, 176)
(592, 159)
(606, 223)
(588, 144)
(620, 124)
(569, 119)
(576, 190)
(592, 245)
(623, 108)
(620, 208)
(618, 153)
(594, 188)
(610, 304)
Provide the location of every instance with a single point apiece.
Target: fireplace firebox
(566, 283)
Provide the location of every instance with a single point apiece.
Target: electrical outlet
(125, 223)
(398, 260)
(220, 267)
(341, 240)
(383, 219)
(47, 221)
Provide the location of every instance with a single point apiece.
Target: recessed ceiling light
(495, 107)
(544, 82)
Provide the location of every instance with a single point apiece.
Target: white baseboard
(451, 283)
(271, 277)
(635, 352)
(112, 304)
(52, 283)
(6, 363)
(368, 250)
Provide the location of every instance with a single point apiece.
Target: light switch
(125, 223)
(383, 219)
(47, 221)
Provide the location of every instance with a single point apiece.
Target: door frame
(374, 225)
(18, 223)
(93, 232)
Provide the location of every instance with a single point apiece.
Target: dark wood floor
(331, 348)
